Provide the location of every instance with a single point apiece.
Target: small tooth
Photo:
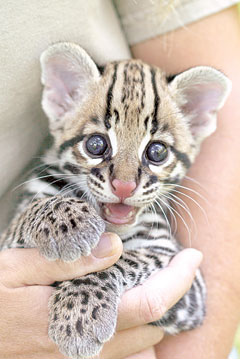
(107, 211)
(130, 214)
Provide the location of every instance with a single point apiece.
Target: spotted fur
(132, 105)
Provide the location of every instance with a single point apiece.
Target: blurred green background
(237, 342)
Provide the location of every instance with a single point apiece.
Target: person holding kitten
(203, 42)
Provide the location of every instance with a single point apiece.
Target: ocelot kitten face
(127, 132)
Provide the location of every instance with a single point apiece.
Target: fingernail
(106, 247)
(190, 256)
(195, 257)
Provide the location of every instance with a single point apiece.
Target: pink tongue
(118, 209)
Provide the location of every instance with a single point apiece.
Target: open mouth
(118, 213)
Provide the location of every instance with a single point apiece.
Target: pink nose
(123, 189)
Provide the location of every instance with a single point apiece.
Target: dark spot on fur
(146, 122)
(73, 223)
(79, 326)
(120, 269)
(72, 168)
(139, 172)
(63, 228)
(110, 286)
(70, 305)
(97, 173)
(99, 295)
(86, 281)
(94, 120)
(57, 298)
(148, 192)
(116, 113)
(85, 298)
(103, 275)
(57, 205)
(111, 169)
(165, 127)
(131, 262)
(46, 231)
(77, 281)
(104, 289)
(52, 219)
(94, 312)
(132, 275)
(68, 331)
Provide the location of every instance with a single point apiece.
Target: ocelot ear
(200, 92)
(67, 70)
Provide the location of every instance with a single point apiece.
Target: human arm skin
(213, 41)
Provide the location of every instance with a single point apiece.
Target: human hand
(147, 303)
(24, 294)
(25, 278)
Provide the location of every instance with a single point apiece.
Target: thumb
(21, 267)
(150, 301)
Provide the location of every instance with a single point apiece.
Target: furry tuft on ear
(200, 92)
(66, 72)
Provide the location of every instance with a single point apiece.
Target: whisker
(184, 222)
(46, 165)
(195, 202)
(48, 185)
(196, 182)
(175, 200)
(188, 189)
(42, 177)
(155, 212)
(173, 217)
(165, 216)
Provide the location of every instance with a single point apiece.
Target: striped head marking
(128, 132)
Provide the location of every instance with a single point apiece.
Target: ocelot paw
(68, 228)
(81, 322)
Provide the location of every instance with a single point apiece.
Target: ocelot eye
(157, 152)
(96, 145)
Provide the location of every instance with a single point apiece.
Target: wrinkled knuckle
(4, 259)
(152, 307)
(65, 270)
(8, 259)
(61, 267)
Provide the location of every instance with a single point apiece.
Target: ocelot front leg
(83, 312)
(61, 228)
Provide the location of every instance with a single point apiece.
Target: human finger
(145, 354)
(24, 324)
(151, 300)
(21, 267)
(131, 341)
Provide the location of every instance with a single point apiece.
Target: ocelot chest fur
(124, 137)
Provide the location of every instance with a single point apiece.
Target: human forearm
(214, 41)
